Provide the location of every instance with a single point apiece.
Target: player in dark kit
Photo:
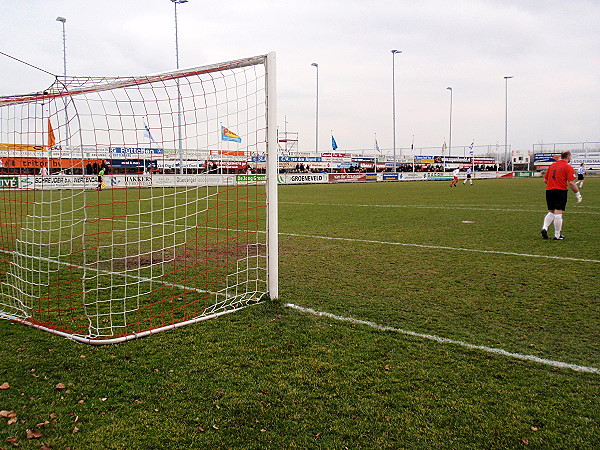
(559, 177)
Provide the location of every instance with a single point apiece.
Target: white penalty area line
(441, 340)
(442, 247)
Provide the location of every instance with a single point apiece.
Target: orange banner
(55, 163)
(22, 147)
(228, 152)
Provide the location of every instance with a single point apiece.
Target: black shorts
(579, 177)
(468, 175)
(556, 199)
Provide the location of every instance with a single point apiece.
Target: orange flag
(51, 138)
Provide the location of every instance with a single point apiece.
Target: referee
(559, 177)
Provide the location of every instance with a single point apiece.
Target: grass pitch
(466, 264)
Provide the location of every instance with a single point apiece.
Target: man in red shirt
(559, 177)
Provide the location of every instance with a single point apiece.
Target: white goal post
(133, 205)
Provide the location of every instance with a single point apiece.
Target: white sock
(558, 221)
(548, 220)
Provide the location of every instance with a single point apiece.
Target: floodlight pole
(64, 36)
(394, 101)
(317, 111)
(506, 123)
(175, 3)
(450, 136)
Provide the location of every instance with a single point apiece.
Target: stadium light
(175, 3)
(450, 136)
(506, 122)
(317, 112)
(394, 101)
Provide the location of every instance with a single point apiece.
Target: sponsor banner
(336, 155)
(319, 165)
(412, 176)
(424, 159)
(131, 163)
(53, 163)
(174, 163)
(524, 174)
(300, 159)
(30, 154)
(22, 147)
(302, 178)
(59, 182)
(259, 159)
(590, 159)
(251, 178)
(456, 159)
(135, 151)
(371, 177)
(192, 180)
(363, 160)
(371, 165)
(545, 157)
(81, 182)
(229, 152)
(451, 160)
(9, 182)
(390, 177)
(346, 177)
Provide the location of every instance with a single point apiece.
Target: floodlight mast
(506, 123)
(317, 111)
(450, 136)
(394, 101)
(175, 3)
(64, 36)
(63, 21)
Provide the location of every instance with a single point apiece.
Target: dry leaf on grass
(60, 386)
(4, 386)
(34, 434)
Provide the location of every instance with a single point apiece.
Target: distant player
(559, 177)
(454, 181)
(100, 180)
(580, 174)
(469, 179)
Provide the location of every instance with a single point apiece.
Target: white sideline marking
(443, 247)
(474, 208)
(441, 340)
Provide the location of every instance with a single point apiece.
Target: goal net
(131, 205)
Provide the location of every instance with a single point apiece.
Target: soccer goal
(132, 205)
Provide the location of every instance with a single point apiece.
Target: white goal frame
(19, 189)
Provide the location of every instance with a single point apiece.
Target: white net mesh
(134, 204)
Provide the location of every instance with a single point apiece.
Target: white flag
(148, 134)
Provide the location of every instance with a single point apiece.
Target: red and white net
(130, 205)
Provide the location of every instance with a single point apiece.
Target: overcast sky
(550, 47)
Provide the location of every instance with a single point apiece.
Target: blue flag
(333, 143)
